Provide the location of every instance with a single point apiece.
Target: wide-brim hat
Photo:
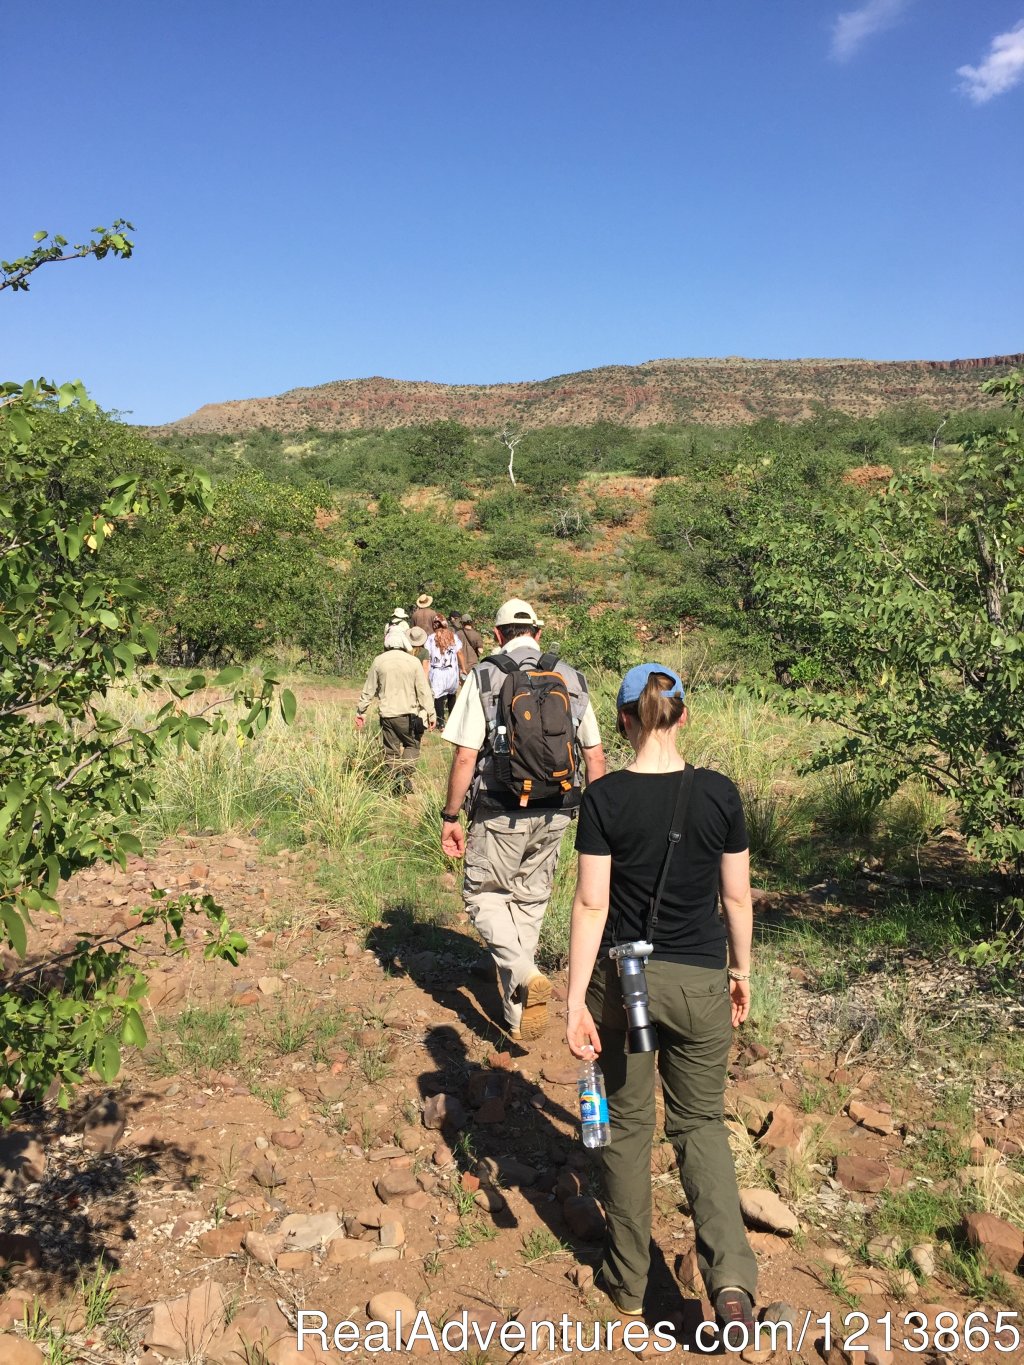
(424, 600)
(417, 637)
(516, 612)
(399, 614)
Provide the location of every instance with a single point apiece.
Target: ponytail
(655, 709)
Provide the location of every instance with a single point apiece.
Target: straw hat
(424, 600)
(417, 637)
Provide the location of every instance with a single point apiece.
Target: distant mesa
(715, 392)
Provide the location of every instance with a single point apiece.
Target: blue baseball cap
(635, 681)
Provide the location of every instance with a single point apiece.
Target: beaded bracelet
(738, 976)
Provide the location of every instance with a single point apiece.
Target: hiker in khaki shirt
(405, 705)
(510, 853)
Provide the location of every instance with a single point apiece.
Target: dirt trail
(303, 1082)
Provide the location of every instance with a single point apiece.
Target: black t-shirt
(628, 815)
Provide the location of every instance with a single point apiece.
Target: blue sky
(483, 190)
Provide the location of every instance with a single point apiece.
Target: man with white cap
(512, 842)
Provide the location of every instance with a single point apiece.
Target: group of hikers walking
(415, 680)
(660, 845)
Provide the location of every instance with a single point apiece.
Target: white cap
(516, 612)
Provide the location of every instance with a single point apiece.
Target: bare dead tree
(510, 438)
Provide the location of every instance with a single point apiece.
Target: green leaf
(106, 1058)
(227, 676)
(288, 706)
(8, 640)
(133, 1030)
(15, 927)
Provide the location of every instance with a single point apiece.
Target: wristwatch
(447, 819)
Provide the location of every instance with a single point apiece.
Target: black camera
(630, 959)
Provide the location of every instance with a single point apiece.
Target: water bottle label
(593, 1107)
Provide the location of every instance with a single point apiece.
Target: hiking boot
(735, 1305)
(535, 995)
(602, 1284)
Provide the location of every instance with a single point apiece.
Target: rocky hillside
(716, 392)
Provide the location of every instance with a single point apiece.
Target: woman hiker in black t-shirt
(696, 999)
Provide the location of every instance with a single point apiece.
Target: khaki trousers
(509, 872)
(690, 1007)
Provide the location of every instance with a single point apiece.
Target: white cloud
(1001, 70)
(854, 27)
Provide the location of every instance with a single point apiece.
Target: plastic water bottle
(501, 742)
(595, 1128)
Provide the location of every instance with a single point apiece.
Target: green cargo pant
(401, 736)
(690, 1007)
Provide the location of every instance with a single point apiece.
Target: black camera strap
(675, 834)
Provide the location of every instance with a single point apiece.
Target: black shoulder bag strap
(675, 834)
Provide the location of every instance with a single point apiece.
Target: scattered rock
(262, 1247)
(491, 1112)
(864, 1175)
(870, 1282)
(256, 1332)
(186, 1326)
(752, 1112)
(584, 1217)
(569, 1185)
(371, 1217)
(443, 1156)
(294, 1260)
(766, 1243)
(268, 1175)
(13, 1306)
(507, 1170)
(103, 1125)
(225, 1240)
(395, 1184)
(17, 1351)
(923, 1258)
(837, 1258)
(392, 1233)
(765, 1209)
(269, 985)
(387, 1306)
(444, 1111)
(582, 1276)
(887, 1248)
(304, 1231)
(286, 1139)
(875, 1120)
(491, 1200)
(995, 1240)
(385, 1254)
(418, 1201)
(20, 1248)
(344, 1249)
(870, 1350)
(332, 1088)
(22, 1160)
(785, 1132)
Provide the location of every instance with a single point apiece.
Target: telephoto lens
(629, 958)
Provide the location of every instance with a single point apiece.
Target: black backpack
(535, 757)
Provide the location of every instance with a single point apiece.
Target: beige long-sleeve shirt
(397, 680)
